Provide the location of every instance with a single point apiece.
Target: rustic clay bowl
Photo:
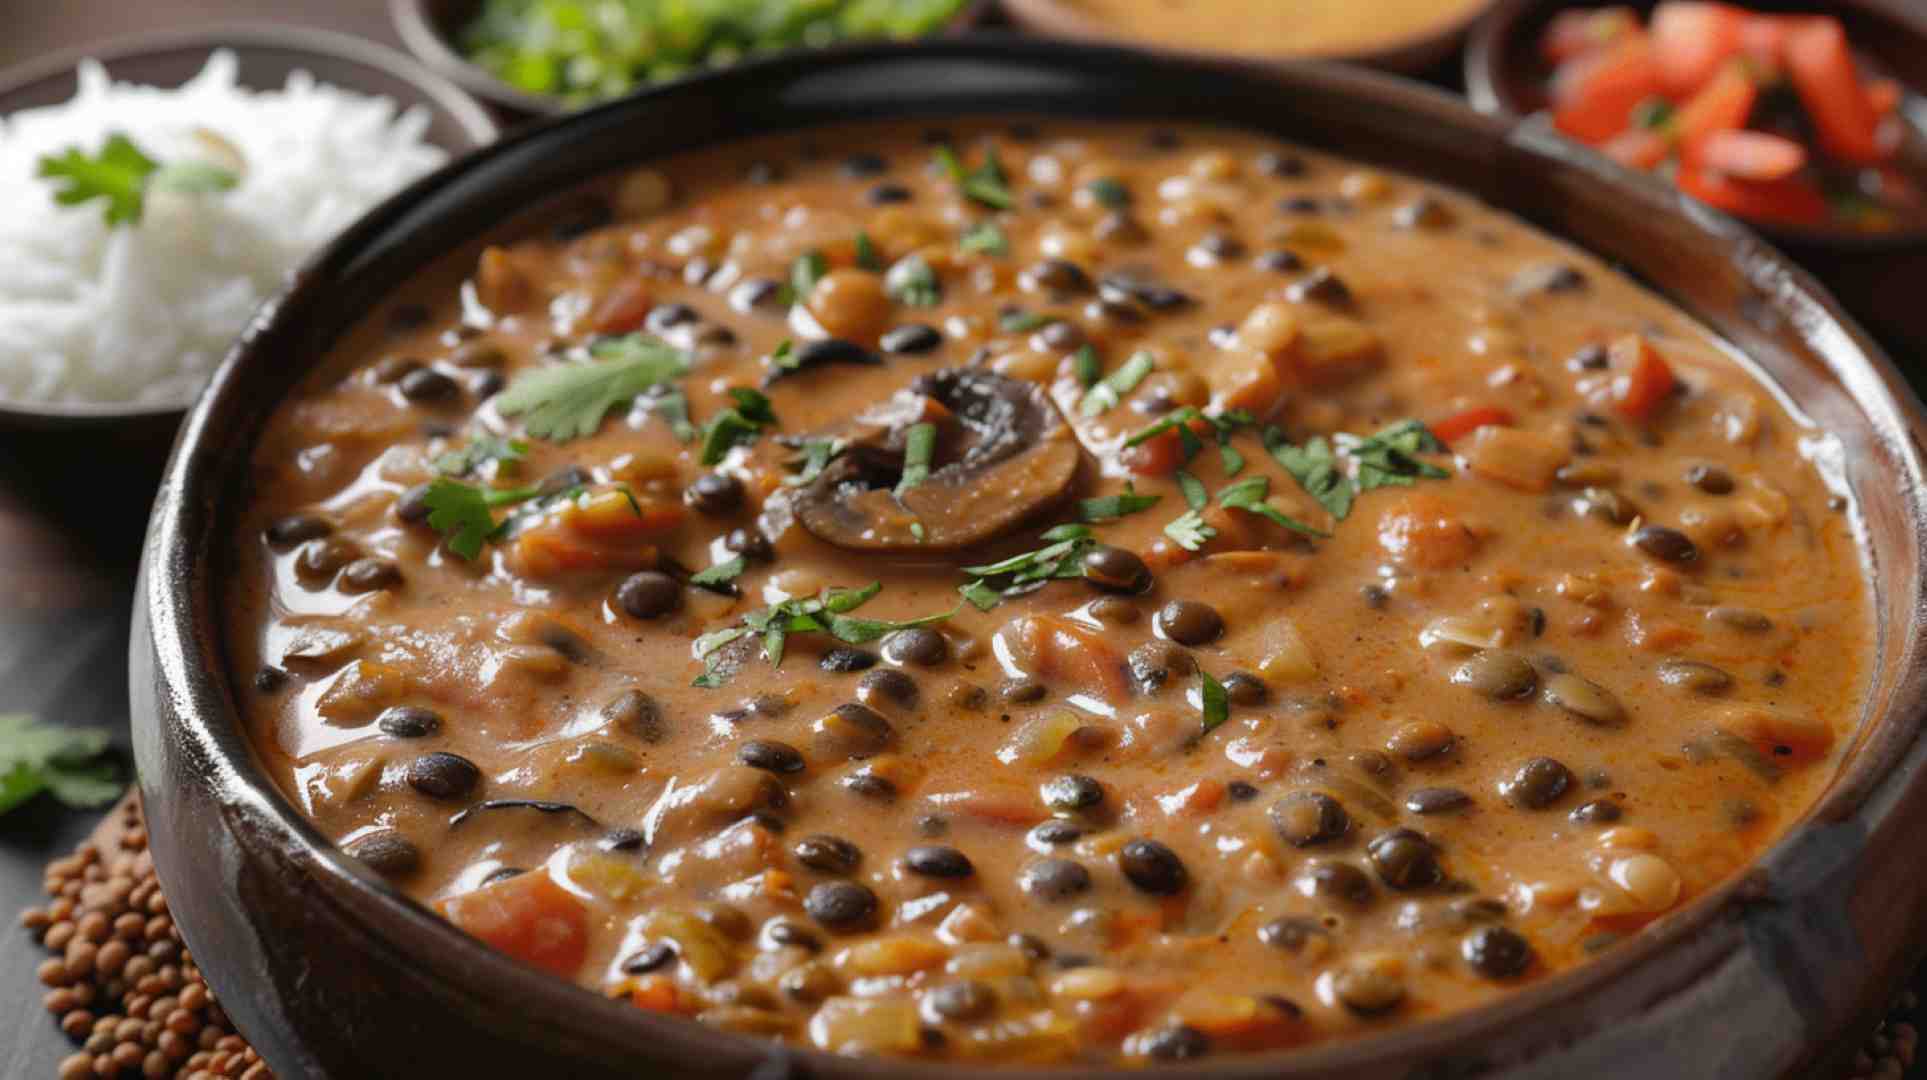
(265, 56)
(330, 972)
(1407, 53)
(430, 27)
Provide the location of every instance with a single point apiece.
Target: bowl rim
(189, 670)
(1486, 87)
(1407, 51)
(418, 31)
(478, 128)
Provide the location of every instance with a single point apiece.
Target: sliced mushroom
(1003, 453)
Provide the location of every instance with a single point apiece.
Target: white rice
(143, 313)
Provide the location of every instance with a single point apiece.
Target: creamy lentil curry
(1055, 594)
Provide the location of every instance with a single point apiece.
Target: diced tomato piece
(1645, 379)
(623, 310)
(1637, 148)
(1884, 95)
(529, 917)
(1820, 61)
(1792, 201)
(1461, 424)
(1692, 40)
(1593, 97)
(1721, 105)
(1578, 32)
(1751, 155)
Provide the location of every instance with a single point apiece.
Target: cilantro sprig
(737, 425)
(479, 451)
(569, 401)
(1388, 458)
(828, 612)
(1249, 495)
(123, 175)
(65, 762)
(987, 184)
(465, 514)
(1061, 557)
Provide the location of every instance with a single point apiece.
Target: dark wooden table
(72, 513)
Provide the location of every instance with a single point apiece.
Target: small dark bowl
(1503, 74)
(429, 29)
(1407, 54)
(266, 55)
(330, 971)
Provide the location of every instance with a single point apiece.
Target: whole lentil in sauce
(1274, 672)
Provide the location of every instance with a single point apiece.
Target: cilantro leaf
(1086, 366)
(568, 401)
(1111, 388)
(1388, 458)
(987, 184)
(987, 237)
(117, 174)
(817, 455)
(64, 761)
(1193, 488)
(808, 269)
(1112, 507)
(1022, 322)
(481, 449)
(981, 595)
(739, 424)
(1249, 495)
(463, 513)
(1109, 192)
(1212, 702)
(720, 574)
(919, 444)
(826, 612)
(1316, 469)
(912, 282)
(1062, 557)
(1189, 530)
(673, 406)
(866, 253)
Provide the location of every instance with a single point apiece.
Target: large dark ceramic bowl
(330, 972)
(265, 56)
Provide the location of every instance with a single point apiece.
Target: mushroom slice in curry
(1001, 454)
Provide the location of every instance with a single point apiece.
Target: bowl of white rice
(159, 190)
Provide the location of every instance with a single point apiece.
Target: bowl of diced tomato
(1804, 120)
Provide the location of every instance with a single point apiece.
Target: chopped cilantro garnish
(1316, 469)
(720, 574)
(1111, 507)
(827, 613)
(123, 175)
(1189, 530)
(673, 406)
(464, 513)
(1249, 495)
(1086, 366)
(1022, 322)
(1110, 192)
(1195, 496)
(866, 253)
(1111, 389)
(1385, 459)
(568, 401)
(1212, 701)
(919, 445)
(986, 184)
(739, 424)
(481, 449)
(1061, 557)
(808, 269)
(986, 237)
(912, 282)
(817, 455)
(63, 761)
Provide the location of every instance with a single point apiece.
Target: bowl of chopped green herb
(549, 56)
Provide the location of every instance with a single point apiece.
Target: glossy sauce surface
(1489, 703)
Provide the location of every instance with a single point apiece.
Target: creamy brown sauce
(1648, 587)
(1276, 27)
